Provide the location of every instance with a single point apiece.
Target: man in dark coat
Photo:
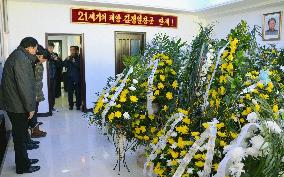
(72, 63)
(19, 99)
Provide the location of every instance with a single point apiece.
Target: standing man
(55, 72)
(72, 63)
(19, 99)
(42, 56)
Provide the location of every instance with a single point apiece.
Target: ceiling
(201, 7)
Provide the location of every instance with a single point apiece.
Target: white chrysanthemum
(200, 173)
(252, 117)
(135, 81)
(112, 103)
(152, 156)
(237, 153)
(126, 115)
(190, 170)
(273, 127)
(173, 146)
(169, 162)
(252, 152)
(106, 95)
(257, 141)
(237, 169)
(254, 101)
(241, 105)
(174, 134)
(132, 88)
(105, 100)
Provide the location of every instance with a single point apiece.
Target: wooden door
(127, 44)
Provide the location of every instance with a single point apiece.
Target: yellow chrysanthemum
(111, 116)
(275, 108)
(199, 164)
(169, 95)
(161, 85)
(165, 108)
(182, 129)
(118, 114)
(162, 78)
(133, 99)
(175, 84)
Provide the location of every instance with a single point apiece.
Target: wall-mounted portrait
(271, 27)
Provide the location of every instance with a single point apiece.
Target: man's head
(271, 24)
(50, 47)
(30, 44)
(74, 50)
(42, 54)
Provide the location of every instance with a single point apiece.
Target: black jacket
(72, 63)
(18, 83)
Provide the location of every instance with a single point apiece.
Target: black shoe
(71, 108)
(40, 123)
(31, 169)
(34, 161)
(31, 146)
(78, 108)
(34, 142)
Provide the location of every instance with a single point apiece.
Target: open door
(62, 42)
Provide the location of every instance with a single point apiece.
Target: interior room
(106, 88)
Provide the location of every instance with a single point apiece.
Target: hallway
(72, 149)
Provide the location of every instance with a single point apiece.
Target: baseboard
(89, 110)
(9, 135)
(47, 114)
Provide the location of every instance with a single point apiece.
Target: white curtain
(4, 26)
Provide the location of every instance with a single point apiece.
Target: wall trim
(47, 114)
(9, 135)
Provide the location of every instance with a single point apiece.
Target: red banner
(124, 18)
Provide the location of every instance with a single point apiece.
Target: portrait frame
(267, 33)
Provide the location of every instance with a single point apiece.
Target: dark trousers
(74, 86)
(19, 131)
(52, 91)
(33, 120)
(58, 88)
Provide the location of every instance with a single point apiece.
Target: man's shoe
(31, 169)
(71, 108)
(37, 133)
(34, 161)
(34, 142)
(31, 146)
(78, 108)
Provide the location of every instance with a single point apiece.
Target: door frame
(125, 32)
(82, 67)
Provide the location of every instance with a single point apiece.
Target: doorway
(127, 44)
(62, 43)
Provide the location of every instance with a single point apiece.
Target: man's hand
(31, 114)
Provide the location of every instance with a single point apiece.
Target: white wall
(253, 17)
(36, 19)
(64, 44)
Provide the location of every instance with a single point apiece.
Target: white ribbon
(209, 133)
(150, 87)
(114, 97)
(162, 142)
(205, 104)
(223, 166)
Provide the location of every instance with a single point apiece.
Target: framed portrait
(271, 26)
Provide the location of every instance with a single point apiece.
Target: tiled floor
(72, 149)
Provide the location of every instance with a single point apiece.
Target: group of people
(72, 80)
(21, 92)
